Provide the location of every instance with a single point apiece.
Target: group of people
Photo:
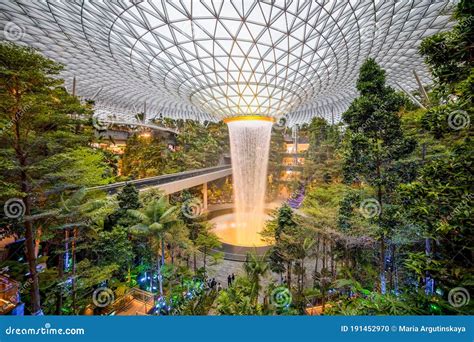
(230, 279)
(212, 284)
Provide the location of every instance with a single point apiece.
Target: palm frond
(139, 215)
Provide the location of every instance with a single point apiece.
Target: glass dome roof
(213, 59)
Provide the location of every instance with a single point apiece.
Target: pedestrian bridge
(172, 183)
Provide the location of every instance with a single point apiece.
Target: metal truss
(208, 60)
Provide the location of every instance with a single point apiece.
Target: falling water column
(249, 145)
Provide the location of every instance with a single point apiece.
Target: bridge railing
(157, 180)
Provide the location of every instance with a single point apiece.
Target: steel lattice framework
(214, 59)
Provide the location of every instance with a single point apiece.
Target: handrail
(141, 124)
(156, 180)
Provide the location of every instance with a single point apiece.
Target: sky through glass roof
(213, 59)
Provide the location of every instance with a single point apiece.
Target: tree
(439, 202)
(156, 219)
(178, 239)
(35, 113)
(275, 162)
(127, 200)
(237, 299)
(255, 266)
(375, 145)
(207, 242)
(147, 157)
(199, 146)
(282, 230)
(73, 216)
(114, 247)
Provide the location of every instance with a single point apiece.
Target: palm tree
(155, 220)
(255, 267)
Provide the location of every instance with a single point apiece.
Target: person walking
(232, 278)
(229, 280)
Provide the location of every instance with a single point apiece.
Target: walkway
(173, 182)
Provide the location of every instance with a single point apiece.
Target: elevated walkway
(173, 182)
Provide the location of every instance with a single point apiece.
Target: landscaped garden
(379, 220)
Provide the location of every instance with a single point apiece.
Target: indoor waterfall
(250, 145)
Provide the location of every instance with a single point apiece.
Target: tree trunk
(383, 285)
(316, 257)
(303, 273)
(429, 282)
(162, 251)
(38, 240)
(25, 188)
(392, 266)
(59, 300)
(29, 233)
(288, 274)
(73, 251)
(324, 255)
(333, 269)
(160, 278)
(323, 297)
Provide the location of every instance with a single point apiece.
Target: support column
(204, 195)
(74, 86)
(422, 89)
(411, 96)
